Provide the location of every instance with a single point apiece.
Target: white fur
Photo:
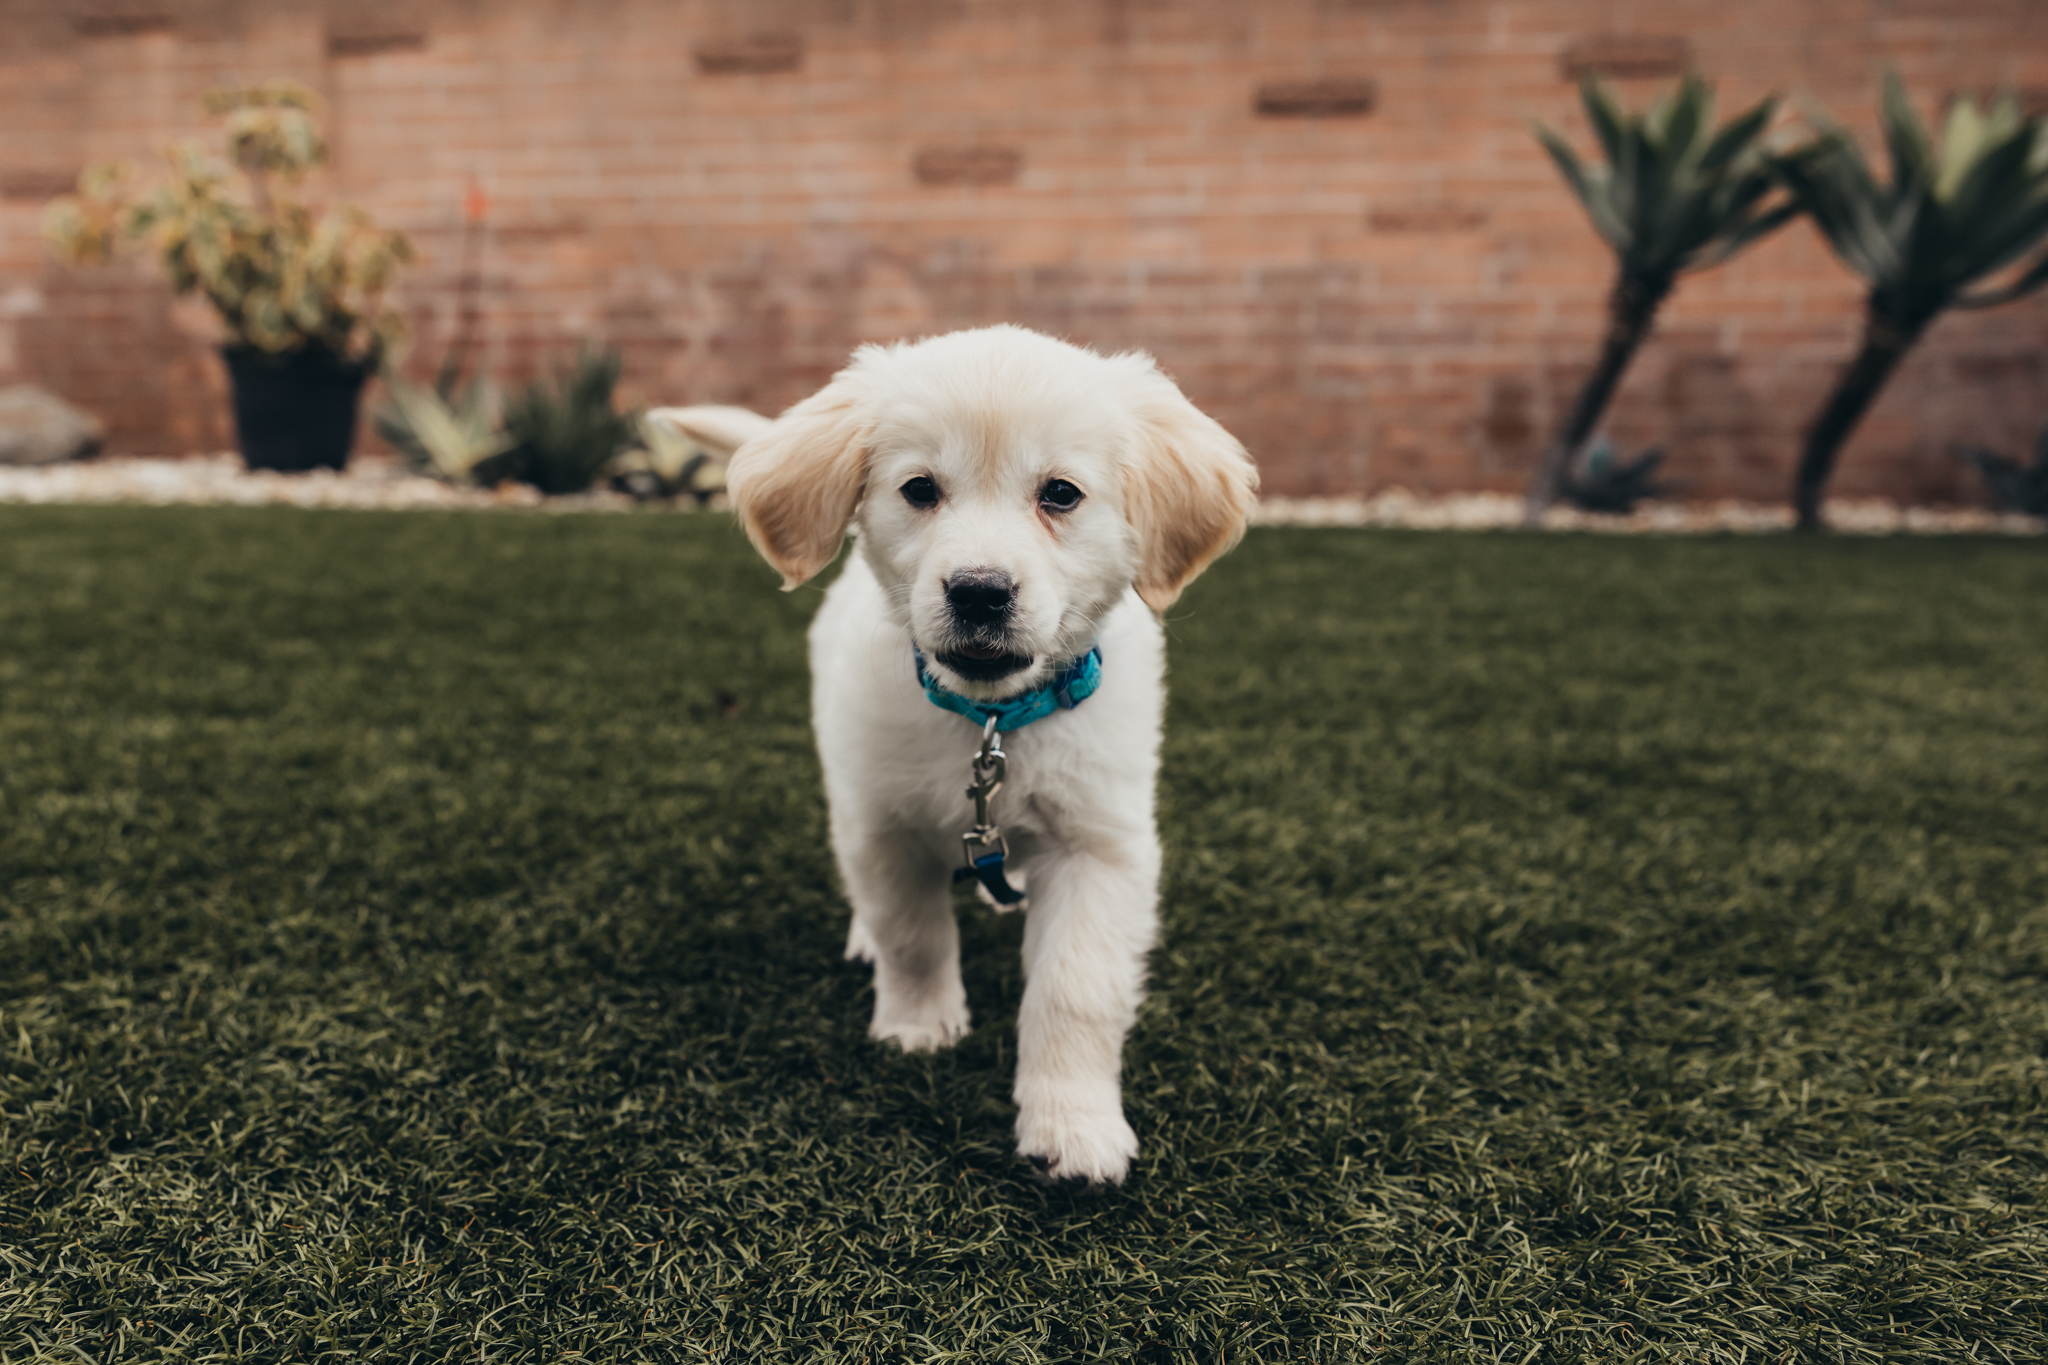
(992, 415)
(720, 430)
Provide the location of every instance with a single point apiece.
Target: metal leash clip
(984, 846)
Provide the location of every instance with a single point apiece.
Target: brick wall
(1325, 216)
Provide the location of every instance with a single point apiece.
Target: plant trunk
(1631, 308)
(1884, 343)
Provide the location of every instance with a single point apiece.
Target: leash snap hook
(984, 847)
(989, 769)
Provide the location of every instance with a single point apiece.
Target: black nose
(980, 597)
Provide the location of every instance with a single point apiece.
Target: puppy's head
(1008, 488)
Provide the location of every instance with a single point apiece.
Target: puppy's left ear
(796, 484)
(1189, 487)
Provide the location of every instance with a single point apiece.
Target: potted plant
(299, 291)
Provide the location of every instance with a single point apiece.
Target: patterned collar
(1068, 688)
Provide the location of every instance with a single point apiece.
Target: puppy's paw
(860, 946)
(1092, 1148)
(925, 1030)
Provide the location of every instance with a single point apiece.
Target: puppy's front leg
(903, 923)
(1092, 920)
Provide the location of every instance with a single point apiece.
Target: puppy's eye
(920, 492)
(1059, 496)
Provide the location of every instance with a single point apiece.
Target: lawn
(418, 942)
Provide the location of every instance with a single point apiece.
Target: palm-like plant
(1950, 218)
(1676, 195)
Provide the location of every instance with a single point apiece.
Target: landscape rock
(38, 427)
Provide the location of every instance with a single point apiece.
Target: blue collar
(1069, 687)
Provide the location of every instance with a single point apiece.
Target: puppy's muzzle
(981, 602)
(981, 599)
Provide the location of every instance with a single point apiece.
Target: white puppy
(1023, 507)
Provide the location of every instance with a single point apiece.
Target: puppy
(1022, 509)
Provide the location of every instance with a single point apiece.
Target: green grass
(1575, 949)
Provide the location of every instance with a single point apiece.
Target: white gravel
(1493, 511)
(370, 482)
(220, 479)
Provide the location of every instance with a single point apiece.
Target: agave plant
(441, 436)
(1610, 485)
(1676, 195)
(565, 433)
(668, 463)
(1951, 218)
(2015, 487)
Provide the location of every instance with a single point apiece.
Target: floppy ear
(796, 484)
(1188, 488)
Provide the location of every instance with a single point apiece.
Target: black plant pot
(295, 411)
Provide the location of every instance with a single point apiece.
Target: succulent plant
(2015, 487)
(445, 437)
(1612, 486)
(1676, 194)
(1951, 217)
(565, 432)
(669, 463)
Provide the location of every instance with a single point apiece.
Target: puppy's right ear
(796, 485)
(1188, 487)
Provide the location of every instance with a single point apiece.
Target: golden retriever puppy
(988, 676)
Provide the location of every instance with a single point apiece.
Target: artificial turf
(419, 943)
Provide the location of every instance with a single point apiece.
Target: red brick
(1408, 295)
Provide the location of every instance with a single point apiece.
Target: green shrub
(564, 433)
